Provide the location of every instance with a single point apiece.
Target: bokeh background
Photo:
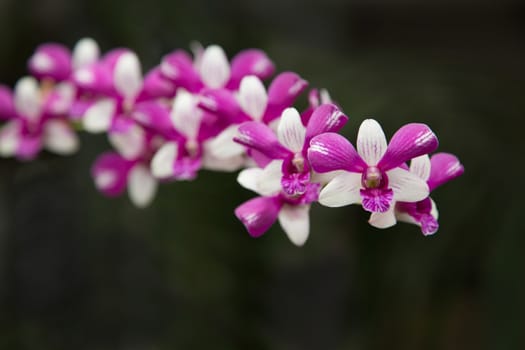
(79, 271)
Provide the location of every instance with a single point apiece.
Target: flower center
(192, 147)
(373, 177)
(298, 162)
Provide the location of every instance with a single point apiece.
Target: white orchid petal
(129, 143)
(142, 186)
(270, 180)
(407, 187)
(223, 164)
(28, 102)
(86, 52)
(249, 178)
(163, 160)
(343, 190)
(371, 142)
(385, 219)
(291, 131)
(253, 97)
(185, 114)
(295, 221)
(223, 146)
(60, 138)
(128, 75)
(214, 67)
(98, 117)
(420, 166)
(9, 138)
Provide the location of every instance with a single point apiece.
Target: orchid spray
(203, 111)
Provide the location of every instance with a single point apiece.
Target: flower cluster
(202, 111)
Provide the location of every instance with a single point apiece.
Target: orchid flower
(188, 150)
(285, 183)
(212, 70)
(117, 81)
(55, 62)
(130, 166)
(372, 174)
(36, 119)
(440, 168)
(251, 103)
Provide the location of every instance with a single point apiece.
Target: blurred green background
(79, 271)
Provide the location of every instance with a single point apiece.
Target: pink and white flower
(250, 103)
(285, 184)
(211, 68)
(55, 62)
(440, 168)
(372, 175)
(129, 168)
(36, 119)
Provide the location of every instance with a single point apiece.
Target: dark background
(79, 271)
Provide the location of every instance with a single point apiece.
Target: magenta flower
(285, 184)
(188, 149)
(440, 168)
(251, 103)
(55, 62)
(211, 68)
(372, 174)
(117, 82)
(36, 119)
(129, 168)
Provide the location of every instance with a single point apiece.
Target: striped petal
(342, 190)
(330, 151)
(258, 214)
(371, 142)
(325, 118)
(410, 141)
(260, 137)
(252, 97)
(291, 131)
(444, 167)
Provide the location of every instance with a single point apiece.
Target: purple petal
(261, 138)
(111, 58)
(283, 91)
(156, 85)
(110, 173)
(153, 115)
(51, 61)
(178, 67)
(258, 214)
(186, 168)
(96, 78)
(331, 151)
(377, 200)
(325, 118)
(444, 167)
(259, 158)
(223, 103)
(249, 62)
(410, 141)
(7, 107)
(29, 146)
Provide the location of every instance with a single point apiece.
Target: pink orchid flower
(372, 175)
